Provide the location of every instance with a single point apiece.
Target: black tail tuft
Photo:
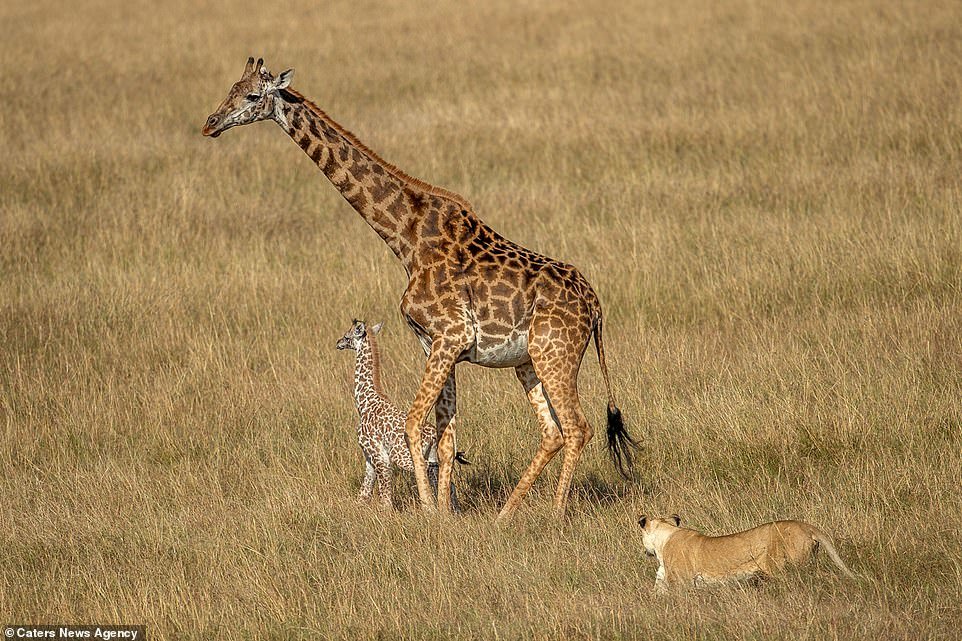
(461, 458)
(620, 444)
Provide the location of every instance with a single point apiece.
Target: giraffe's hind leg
(556, 357)
(551, 439)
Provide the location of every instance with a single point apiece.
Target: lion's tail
(822, 539)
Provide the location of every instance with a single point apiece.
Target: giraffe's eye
(253, 97)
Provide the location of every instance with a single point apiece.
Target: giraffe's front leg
(440, 363)
(445, 412)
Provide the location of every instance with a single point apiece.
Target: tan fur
(687, 557)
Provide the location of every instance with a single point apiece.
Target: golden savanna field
(766, 197)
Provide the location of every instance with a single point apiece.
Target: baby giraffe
(380, 430)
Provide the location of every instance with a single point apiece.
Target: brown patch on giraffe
(451, 226)
(358, 200)
(411, 227)
(420, 295)
(330, 164)
(360, 171)
(398, 207)
(382, 189)
(441, 277)
(290, 97)
(489, 272)
(429, 226)
(417, 200)
(451, 306)
(501, 290)
(385, 222)
(313, 128)
(463, 263)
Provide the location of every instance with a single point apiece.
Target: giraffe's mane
(375, 363)
(392, 169)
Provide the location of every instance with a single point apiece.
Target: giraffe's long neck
(388, 199)
(367, 374)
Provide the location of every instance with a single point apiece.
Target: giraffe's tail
(621, 447)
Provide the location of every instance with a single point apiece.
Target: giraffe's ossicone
(472, 295)
(380, 427)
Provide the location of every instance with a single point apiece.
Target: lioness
(686, 557)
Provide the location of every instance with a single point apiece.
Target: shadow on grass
(483, 487)
(595, 488)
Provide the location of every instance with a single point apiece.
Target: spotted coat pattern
(381, 425)
(472, 295)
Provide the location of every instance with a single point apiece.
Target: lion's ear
(642, 520)
(676, 519)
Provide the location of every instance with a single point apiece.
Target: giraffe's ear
(376, 329)
(283, 79)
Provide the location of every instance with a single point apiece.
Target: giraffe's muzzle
(211, 126)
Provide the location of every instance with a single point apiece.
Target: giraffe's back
(493, 287)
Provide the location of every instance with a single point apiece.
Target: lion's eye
(253, 97)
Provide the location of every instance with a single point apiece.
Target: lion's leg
(661, 582)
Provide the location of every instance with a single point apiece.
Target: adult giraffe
(472, 295)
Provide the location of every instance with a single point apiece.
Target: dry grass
(766, 197)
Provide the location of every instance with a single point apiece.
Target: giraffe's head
(250, 99)
(357, 334)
